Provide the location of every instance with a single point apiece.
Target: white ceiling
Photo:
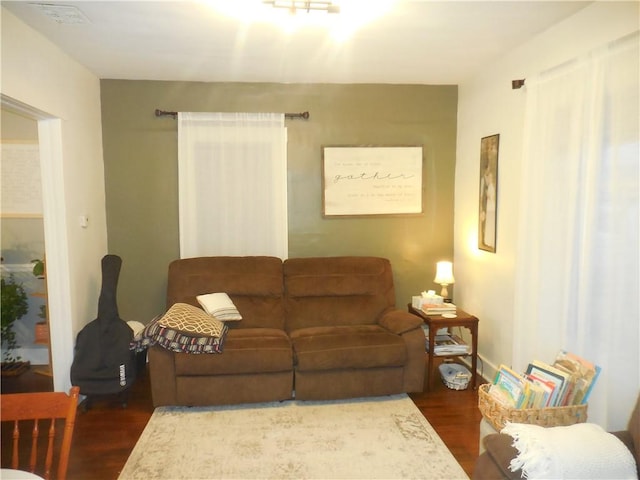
(421, 42)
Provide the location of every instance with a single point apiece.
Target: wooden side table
(435, 323)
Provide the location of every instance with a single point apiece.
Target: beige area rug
(381, 437)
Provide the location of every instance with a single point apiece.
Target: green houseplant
(14, 306)
(38, 267)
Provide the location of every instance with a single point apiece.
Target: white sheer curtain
(577, 285)
(232, 184)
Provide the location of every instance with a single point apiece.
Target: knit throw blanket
(581, 451)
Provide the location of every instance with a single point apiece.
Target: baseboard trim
(486, 370)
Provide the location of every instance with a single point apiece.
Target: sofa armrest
(494, 462)
(626, 437)
(408, 327)
(162, 373)
(399, 321)
(499, 451)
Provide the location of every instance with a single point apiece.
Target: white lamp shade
(444, 273)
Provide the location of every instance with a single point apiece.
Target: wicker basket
(498, 415)
(455, 376)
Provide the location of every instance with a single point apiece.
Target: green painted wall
(140, 155)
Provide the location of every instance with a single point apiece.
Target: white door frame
(55, 234)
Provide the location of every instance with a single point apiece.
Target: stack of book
(438, 308)
(568, 381)
(446, 343)
(449, 344)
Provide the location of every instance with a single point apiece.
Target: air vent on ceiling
(66, 14)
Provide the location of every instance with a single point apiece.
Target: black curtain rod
(302, 115)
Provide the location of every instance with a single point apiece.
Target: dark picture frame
(488, 195)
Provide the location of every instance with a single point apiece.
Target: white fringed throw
(581, 451)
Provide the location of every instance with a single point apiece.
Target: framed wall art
(371, 180)
(488, 211)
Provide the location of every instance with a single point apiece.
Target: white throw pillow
(220, 306)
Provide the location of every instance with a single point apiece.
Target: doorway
(22, 237)
(49, 139)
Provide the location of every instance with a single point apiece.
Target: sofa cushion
(336, 291)
(246, 350)
(253, 283)
(343, 347)
(319, 284)
(191, 320)
(400, 321)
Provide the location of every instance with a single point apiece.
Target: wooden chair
(40, 407)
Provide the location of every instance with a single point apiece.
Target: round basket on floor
(499, 415)
(455, 376)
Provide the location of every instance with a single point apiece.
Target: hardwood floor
(455, 417)
(105, 434)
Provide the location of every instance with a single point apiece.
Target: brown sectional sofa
(311, 329)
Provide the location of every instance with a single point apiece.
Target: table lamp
(444, 277)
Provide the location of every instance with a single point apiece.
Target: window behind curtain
(578, 262)
(232, 172)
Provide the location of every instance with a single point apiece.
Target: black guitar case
(103, 363)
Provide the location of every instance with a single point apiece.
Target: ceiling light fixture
(294, 5)
(66, 14)
(354, 15)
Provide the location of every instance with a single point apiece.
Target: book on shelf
(569, 380)
(438, 308)
(449, 344)
(508, 387)
(551, 374)
(536, 396)
(544, 387)
(583, 375)
(439, 331)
